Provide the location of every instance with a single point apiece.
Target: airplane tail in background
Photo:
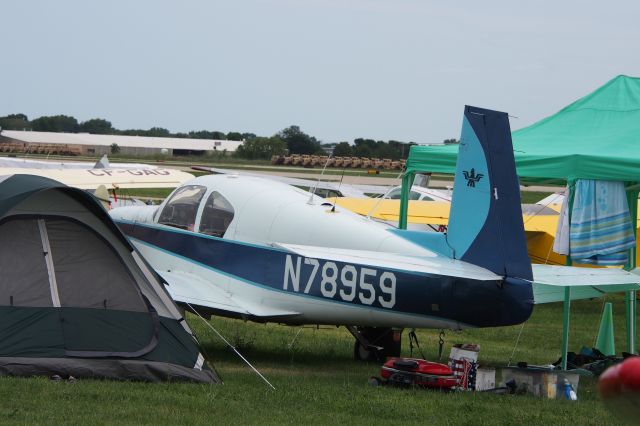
(485, 223)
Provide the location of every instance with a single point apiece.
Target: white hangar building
(88, 144)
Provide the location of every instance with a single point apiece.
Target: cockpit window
(181, 209)
(397, 193)
(326, 192)
(216, 215)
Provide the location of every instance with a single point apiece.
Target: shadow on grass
(275, 345)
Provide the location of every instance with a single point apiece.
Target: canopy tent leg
(565, 326)
(630, 297)
(632, 332)
(630, 309)
(567, 290)
(407, 182)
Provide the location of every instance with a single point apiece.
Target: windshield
(181, 209)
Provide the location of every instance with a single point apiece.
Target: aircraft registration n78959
(253, 248)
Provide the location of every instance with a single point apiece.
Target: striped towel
(561, 241)
(601, 232)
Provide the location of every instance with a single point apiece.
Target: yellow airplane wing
(421, 212)
(540, 229)
(430, 212)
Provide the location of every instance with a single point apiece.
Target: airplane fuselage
(357, 273)
(325, 290)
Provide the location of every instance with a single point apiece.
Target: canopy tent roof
(596, 137)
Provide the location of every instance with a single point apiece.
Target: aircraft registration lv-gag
(133, 172)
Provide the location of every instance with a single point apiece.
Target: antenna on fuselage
(375, 206)
(335, 199)
(313, 192)
(383, 196)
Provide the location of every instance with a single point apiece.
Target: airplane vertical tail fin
(485, 224)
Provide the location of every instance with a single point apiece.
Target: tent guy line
(208, 324)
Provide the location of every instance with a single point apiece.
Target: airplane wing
(110, 178)
(27, 163)
(351, 190)
(345, 189)
(540, 219)
(419, 212)
(549, 282)
(540, 222)
(190, 288)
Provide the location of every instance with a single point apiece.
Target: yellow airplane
(540, 221)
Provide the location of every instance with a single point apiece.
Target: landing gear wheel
(374, 381)
(376, 344)
(360, 353)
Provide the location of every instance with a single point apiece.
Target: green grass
(145, 192)
(317, 382)
(531, 197)
(312, 170)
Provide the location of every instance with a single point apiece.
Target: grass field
(317, 382)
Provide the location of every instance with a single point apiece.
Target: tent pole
(565, 326)
(633, 265)
(630, 296)
(407, 181)
(630, 305)
(567, 290)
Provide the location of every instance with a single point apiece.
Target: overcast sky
(340, 69)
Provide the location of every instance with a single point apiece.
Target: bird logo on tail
(472, 178)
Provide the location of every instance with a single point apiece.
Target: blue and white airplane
(252, 248)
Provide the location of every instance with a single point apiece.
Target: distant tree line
(291, 140)
(100, 126)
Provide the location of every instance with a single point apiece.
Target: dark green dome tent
(75, 297)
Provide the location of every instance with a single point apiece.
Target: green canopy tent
(596, 137)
